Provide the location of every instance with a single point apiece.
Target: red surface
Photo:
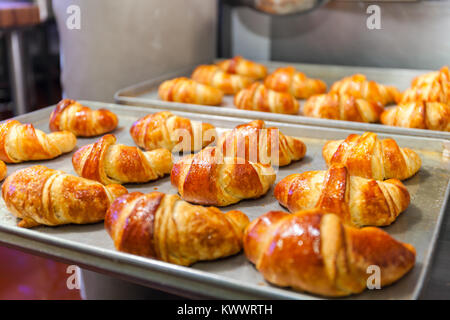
(24, 276)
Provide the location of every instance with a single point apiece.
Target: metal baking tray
(90, 246)
(146, 94)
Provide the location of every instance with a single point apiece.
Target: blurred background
(121, 43)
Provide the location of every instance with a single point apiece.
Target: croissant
(287, 79)
(166, 228)
(39, 195)
(369, 157)
(357, 201)
(166, 130)
(342, 107)
(22, 142)
(430, 87)
(212, 75)
(208, 178)
(3, 170)
(243, 67)
(359, 87)
(419, 115)
(81, 120)
(254, 142)
(189, 91)
(315, 252)
(108, 162)
(257, 97)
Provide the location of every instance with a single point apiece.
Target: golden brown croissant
(287, 79)
(254, 142)
(39, 195)
(81, 120)
(3, 170)
(108, 162)
(419, 115)
(369, 157)
(208, 178)
(189, 91)
(257, 97)
(164, 227)
(430, 87)
(359, 87)
(357, 201)
(214, 76)
(22, 142)
(315, 252)
(342, 107)
(166, 130)
(244, 67)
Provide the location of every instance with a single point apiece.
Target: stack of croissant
(323, 246)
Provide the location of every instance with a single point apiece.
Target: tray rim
(123, 96)
(229, 287)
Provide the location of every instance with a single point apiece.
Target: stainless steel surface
(146, 94)
(281, 7)
(90, 247)
(17, 70)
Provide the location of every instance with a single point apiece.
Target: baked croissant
(81, 120)
(166, 130)
(315, 252)
(208, 178)
(108, 162)
(359, 87)
(22, 142)
(3, 170)
(212, 75)
(357, 201)
(189, 91)
(342, 107)
(164, 227)
(369, 157)
(419, 115)
(254, 142)
(244, 67)
(430, 87)
(287, 79)
(257, 97)
(39, 195)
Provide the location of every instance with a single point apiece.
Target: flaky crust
(108, 162)
(244, 67)
(166, 130)
(419, 115)
(39, 195)
(208, 178)
(315, 252)
(342, 107)
(81, 120)
(22, 142)
(430, 87)
(369, 157)
(357, 201)
(228, 83)
(189, 91)
(287, 79)
(258, 97)
(254, 142)
(164, 227)
(359, 87)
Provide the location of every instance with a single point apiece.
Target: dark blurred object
(24, 276)
(280, 7)
(29, 50)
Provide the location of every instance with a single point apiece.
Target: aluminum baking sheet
(146, 94)
(234, 277)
